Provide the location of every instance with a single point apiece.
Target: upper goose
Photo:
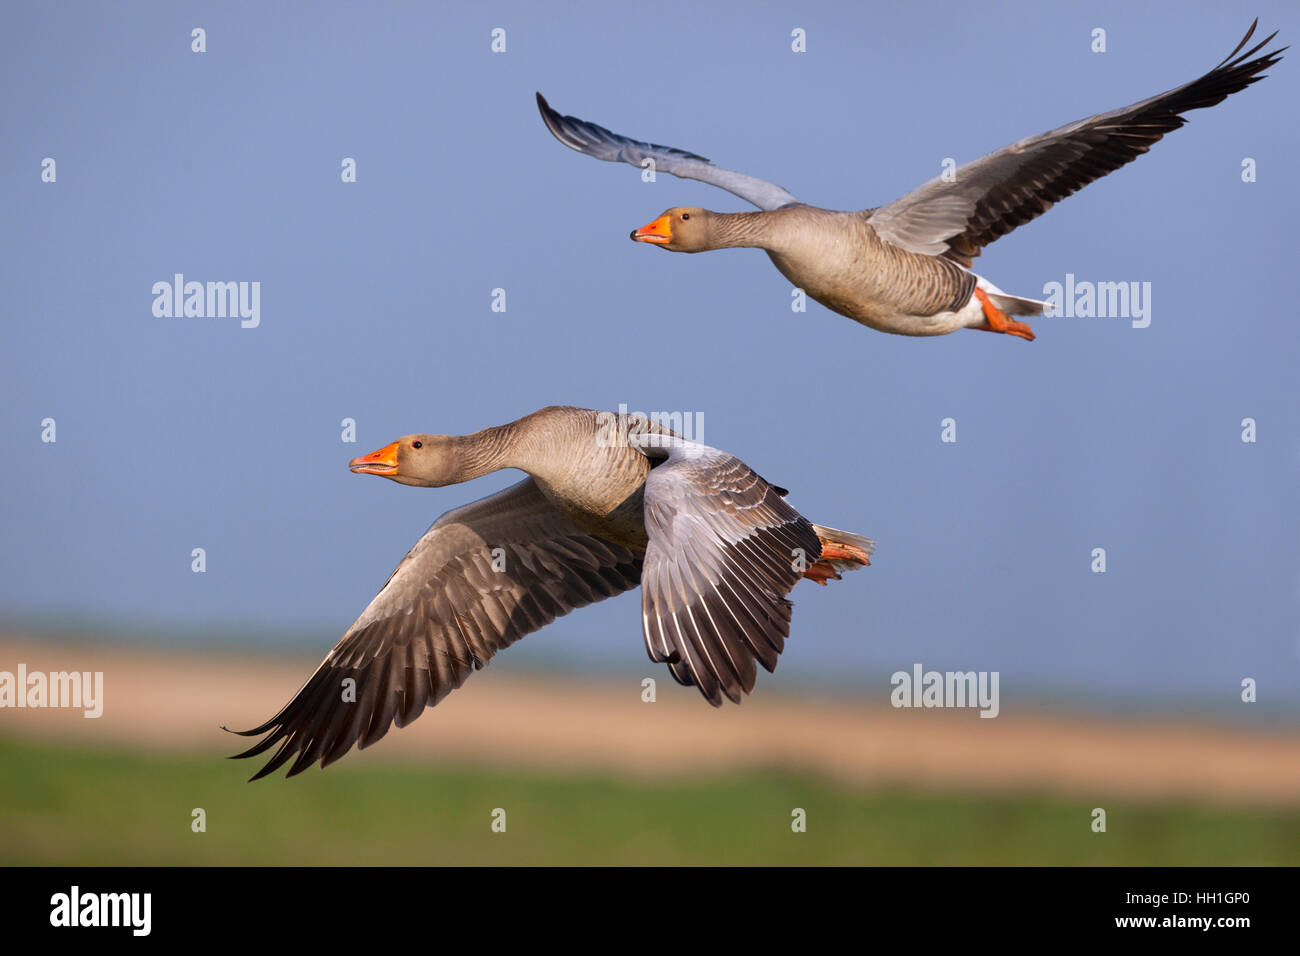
(905, 267)
(609, 504)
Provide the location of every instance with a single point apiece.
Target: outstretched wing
(993, 195)
(442, 615)
(725, 549)
(612, 148)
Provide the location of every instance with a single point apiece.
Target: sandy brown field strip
(177, 701)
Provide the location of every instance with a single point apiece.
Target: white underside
(970, 316)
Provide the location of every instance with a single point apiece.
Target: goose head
(680, 229)
(426, 461)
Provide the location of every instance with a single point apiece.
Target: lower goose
(608, 504)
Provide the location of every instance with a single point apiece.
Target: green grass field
(60, 805)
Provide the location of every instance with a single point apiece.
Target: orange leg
(821, 572)
(997, 321)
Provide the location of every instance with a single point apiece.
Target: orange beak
(658, 232)
(382, 462)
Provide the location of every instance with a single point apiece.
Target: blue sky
(177, 433)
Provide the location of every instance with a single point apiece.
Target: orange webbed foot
(995, 320)
(832, 551)
(821, 572)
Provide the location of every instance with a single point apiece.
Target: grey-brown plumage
(608, 504)
(903, 267)
(721, 558)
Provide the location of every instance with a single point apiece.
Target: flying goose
(905, 267)
(610, 502)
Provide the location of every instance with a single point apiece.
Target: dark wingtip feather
(248, 733)
(258, 748)
(1232, 59)
(302, 763)
(1244, 40)
(580, 135)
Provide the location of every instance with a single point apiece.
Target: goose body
(905, 267)
(608, 505)
(824, 252)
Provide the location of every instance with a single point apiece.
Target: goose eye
(417, 444)
(685, 216)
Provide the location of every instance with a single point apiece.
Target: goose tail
(1014, 305)
(1010, 304)
(841, 551)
